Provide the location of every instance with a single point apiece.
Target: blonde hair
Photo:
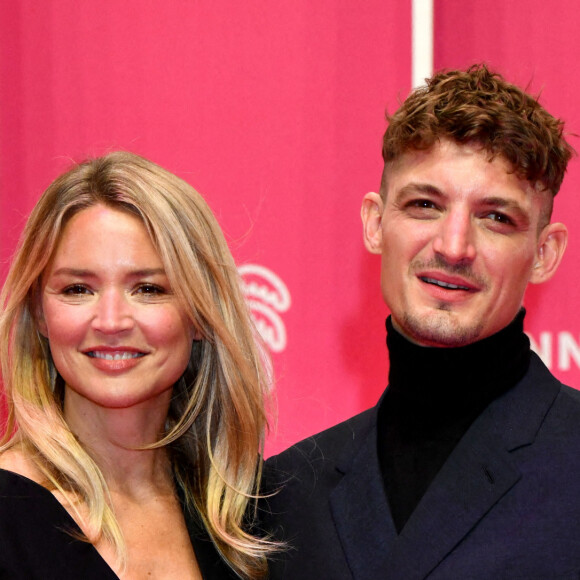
(216, 421)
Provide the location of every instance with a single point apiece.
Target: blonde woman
(134, 386)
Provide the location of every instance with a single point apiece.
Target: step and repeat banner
(274, 111)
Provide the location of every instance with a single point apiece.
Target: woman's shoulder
(19, 478)
(17, 462)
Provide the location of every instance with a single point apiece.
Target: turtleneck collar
(467, 376)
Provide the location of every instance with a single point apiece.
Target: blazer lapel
(473, 479)
(477, 474)
(361, 513)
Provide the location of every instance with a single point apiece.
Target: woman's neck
(115, 439)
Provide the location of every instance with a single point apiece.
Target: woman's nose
(113, 312)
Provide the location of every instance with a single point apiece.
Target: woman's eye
(150, 289)
(75, 290)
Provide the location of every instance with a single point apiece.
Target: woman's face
(117, 334)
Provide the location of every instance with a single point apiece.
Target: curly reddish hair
(480, 106)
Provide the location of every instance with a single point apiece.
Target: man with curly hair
(467, 467)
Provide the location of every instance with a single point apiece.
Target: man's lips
(446, 285)
(448, 281)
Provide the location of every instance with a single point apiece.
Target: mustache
(462, 269)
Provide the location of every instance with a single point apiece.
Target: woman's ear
(371, 214)
(39, 314)
(551, 246)
(41, 325)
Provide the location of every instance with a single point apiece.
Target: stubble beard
(440, 328)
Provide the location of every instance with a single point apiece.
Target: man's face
(460, 238)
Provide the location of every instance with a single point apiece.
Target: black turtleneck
(434, 395)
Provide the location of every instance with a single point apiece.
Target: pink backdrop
(274, 111)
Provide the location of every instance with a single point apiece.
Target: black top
(434, 395)
(36, 540)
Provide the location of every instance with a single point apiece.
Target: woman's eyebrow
(86, 273)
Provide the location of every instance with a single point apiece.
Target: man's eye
(500, 218)
(424, 203)
(422, 209)
(75, 290)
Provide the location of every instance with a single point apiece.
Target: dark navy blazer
(505, 505)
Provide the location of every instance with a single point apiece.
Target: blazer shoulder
(565, 412)
(571, 394)
(322, 451)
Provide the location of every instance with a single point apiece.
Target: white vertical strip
(422, 41)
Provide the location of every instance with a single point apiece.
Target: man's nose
(113, 312)
(455, 238)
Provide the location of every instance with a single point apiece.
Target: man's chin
(440, 329)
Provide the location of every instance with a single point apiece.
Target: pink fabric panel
(273, 110)
(533, 43)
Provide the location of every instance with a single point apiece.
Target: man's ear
(551, 245)
(372, 214)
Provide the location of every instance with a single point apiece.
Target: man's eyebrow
(503, 203)
(414, 188)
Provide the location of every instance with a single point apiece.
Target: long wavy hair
(216, 421)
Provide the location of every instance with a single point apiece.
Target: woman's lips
(117, 355)
(114, 359)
